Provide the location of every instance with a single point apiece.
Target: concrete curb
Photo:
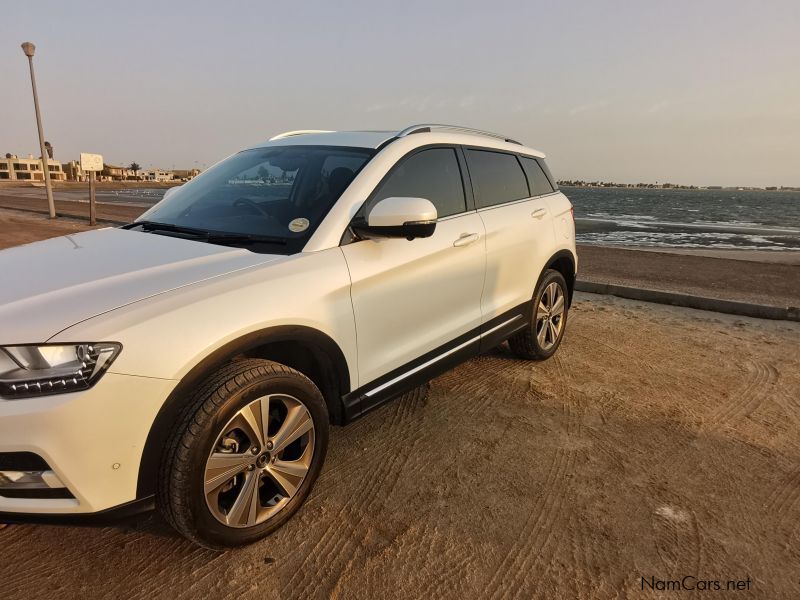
(731, 307)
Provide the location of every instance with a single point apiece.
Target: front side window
(280, 192)
(496, 177)
(432, 174)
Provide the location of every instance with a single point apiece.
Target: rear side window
(433, 174)
(547, 172)
(538, 181)
(496, 177)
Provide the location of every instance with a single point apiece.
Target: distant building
(74, 172)
(29, 169)
(155, 175)
(185, 174)
(113, 173)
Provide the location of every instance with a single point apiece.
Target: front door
(413, 300)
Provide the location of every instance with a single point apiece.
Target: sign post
(91, 163)
(92, 203)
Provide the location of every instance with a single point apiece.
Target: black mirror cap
(409, 230)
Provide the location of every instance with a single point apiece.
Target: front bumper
(92, 440)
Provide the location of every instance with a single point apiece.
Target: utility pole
(28, 48)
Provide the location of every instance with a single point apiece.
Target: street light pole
(28, 48)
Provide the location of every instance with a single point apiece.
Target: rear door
(412, 300)
(519, 232)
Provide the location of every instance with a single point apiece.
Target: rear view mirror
(399, 217)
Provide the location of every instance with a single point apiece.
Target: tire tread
(175, 468)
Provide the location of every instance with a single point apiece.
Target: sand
(659, 442)
(17, 227)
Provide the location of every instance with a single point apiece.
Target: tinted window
(496, 177)
(433, 174)
(547, 172)
(538, 181)
(282, 192)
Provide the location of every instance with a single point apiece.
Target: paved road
(108, 212)
(774, 284)
(141, 196)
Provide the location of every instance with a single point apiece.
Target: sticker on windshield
(298, 225)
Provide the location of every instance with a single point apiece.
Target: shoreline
(780, 256)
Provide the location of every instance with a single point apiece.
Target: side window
(432, 174)
(547, 172)
(496, 177)
(537, 179)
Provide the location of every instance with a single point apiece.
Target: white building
(29, 169)
(155, 175)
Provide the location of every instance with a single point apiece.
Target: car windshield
(275, 195)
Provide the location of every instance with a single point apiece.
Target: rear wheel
(246, 454)
(542, 337)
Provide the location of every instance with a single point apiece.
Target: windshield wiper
(242, 238)
(212, 237)
(155, 226)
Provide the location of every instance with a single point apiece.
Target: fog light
(29, 480)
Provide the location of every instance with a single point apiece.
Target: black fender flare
(570, 277)
(322, 347)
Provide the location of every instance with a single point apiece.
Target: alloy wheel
(259, 460)
(550, 316)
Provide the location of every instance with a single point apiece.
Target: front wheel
(245, 455)
(541, 339)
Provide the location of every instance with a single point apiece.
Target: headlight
(27, 371)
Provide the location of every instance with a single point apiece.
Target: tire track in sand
(538, 529)
(762, 378)
(379, 472)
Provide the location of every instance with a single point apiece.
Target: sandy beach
(640, 450)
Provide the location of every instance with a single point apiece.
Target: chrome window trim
(493, 206)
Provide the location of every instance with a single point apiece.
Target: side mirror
(169, 192)
(398, 217)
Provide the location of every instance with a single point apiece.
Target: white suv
(196, 357)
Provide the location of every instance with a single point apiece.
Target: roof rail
(287, 134)
(426, 127)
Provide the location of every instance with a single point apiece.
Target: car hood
(48, 286)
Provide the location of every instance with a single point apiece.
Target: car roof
(428, 134)
(354, 139)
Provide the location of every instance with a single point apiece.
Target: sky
(699, 92)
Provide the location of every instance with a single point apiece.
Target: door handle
(539, 213)
(465, 239)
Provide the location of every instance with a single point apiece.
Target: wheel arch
(564, 262)
(305, 349)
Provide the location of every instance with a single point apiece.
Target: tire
(541, 339)
(223, 482)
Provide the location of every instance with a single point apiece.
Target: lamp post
(28, 48)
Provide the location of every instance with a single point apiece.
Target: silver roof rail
(287, 134)
(426, 127)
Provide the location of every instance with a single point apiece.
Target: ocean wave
(712, 226)
(719, 240)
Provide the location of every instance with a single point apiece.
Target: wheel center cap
(263, 459)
